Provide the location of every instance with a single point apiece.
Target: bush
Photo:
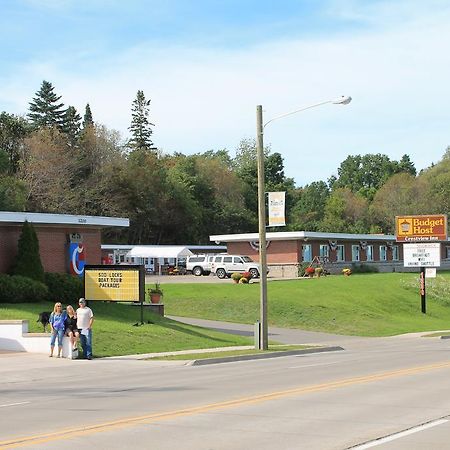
(243, 280)
(236, 276)
(302, 269)
(364, 268)
(64, 288)
(19, 289)
(28, 260)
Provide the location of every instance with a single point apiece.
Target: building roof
(159, 251)
(300, 235)
(7, 217)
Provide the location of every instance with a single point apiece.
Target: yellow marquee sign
(114, 283)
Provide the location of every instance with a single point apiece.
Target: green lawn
(365, 305)
(114, 333)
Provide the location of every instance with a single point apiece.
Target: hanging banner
(276, 209)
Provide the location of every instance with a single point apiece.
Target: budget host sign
(421, 228)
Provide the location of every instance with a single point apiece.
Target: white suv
(224, 265)
(199, 264)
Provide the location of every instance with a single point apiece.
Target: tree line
(54, 160)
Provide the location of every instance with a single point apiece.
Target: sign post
(421, 236)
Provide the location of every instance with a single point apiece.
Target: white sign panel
(430, 272)
(422, 255)
(276, 209)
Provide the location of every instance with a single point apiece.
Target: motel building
(66, 242)
(287, 251)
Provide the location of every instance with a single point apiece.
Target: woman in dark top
(71, 327)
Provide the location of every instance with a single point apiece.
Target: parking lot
(185, 279)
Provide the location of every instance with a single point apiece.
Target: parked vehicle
(224, 265)
(199, 264)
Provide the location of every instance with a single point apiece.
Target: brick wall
(53, 246)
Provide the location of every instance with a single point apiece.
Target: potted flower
(310, 271)
(247, 275)
(155, 293)
(347, 272)
(236, 276)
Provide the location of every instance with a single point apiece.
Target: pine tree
(28, 260)
(45, 111)
(140, 126)
(71, 127)
(87, 119)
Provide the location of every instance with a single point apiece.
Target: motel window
(395, 255)
(369, 253)
(355, 252)
(306, 252)
(323, 251)
(383, 253)
(340, 253)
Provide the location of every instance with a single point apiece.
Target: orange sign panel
(421, 228)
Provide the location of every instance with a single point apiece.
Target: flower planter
(155, 298)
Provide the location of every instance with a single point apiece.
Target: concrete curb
(225, 359)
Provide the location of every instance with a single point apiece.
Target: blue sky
(207, 64)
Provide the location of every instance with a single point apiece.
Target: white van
(199, 264)
(224, 265)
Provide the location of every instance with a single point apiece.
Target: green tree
(45, 109)
(72, 125)
(402, 194)
(87, 118)
(366, 174)
(140, 127)
(13, 131)
(345, 212)
(308, 211)
(28, 260)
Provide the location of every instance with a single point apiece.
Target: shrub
(318, 271)
(310, 271)
(236, 276)
(246, 275)
(243, 280)
(63, 287)
(302, 269)
(28, 260)
(364, 268)
(19, 289)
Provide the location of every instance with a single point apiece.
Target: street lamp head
(342, 100)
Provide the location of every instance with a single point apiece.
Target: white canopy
(159, 251)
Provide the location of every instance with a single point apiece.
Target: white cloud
(205, 99)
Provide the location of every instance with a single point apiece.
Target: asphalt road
(374, 389)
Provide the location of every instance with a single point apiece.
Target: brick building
(66, 242)
(286, 251)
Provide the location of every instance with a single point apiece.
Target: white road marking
(14, 404)
(399, 435)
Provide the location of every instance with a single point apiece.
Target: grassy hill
(366, 305)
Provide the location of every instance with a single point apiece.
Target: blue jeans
(86, 343)
(59, 334)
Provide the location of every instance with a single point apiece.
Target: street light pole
(264, 330)
(260, 125)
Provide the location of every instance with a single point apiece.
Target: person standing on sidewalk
(85, 319)
(57, 320)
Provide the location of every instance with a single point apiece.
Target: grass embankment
(114, 333)
(365, 305)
